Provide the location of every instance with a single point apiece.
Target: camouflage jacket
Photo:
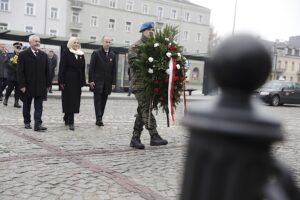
(135, 72)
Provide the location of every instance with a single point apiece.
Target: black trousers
(12, 85)
(38, 110)
(69, 118)
(99, 102)
(3, 84)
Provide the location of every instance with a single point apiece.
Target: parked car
(279, 92)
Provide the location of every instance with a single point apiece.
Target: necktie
(35, 53)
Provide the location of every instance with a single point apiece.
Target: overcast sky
(270, 19)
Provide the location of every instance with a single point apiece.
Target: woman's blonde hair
(71, 42)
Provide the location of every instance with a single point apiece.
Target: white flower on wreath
(156, 45)
(170, 44)
(150, 59)
(169, 54)
(150, 71)
(168, 71)
(167, 39)
(179, 55)
(178, 66)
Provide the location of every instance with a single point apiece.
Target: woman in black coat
(71, 78)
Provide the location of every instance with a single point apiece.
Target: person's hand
(92, 85)
(23, 89)
(62, 86)
(113, 87)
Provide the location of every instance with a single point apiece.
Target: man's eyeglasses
(18, 47)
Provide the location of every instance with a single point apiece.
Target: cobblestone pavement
(96, 163)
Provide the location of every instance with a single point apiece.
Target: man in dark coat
(12, 83)
(3, 71)
(33, 75)
(102, 76)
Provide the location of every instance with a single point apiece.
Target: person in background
(12, 83)
(33, 75)
(52, 64)
(3, 70)
(71, 77)
(102, 76)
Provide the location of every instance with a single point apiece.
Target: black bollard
(229, 153)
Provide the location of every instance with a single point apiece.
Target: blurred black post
(229, 153)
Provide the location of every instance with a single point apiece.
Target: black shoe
(156, 140)
(5, 102)
(71, 127)
(136, 143)
(40, 129)
(27, 126)
(99, 123)
(50, 91)
(1, 98)
(17, 105)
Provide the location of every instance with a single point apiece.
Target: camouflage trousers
(142, 116)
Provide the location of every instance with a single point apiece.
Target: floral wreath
(163, 69)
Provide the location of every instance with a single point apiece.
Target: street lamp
(234, 17)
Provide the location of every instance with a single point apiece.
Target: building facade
(286, 62)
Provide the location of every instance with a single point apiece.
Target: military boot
(156, 140)
(136, 143)
(5, 101)
(17, 105)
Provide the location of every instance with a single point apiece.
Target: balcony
(77, 4)
(278, 70)
(75, 26)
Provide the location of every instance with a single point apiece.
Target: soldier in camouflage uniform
(138, 90)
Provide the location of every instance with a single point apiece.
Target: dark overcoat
(33, 73)
(102, 71)
(72, 75)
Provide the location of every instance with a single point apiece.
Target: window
(112, 40)
(197, 51)
(129, 5)
(160, 12)
(199, 20)
(75, 17)
(174, 14)
(29, 10)
(96, 2)
(291, 78)
(145, 9)
(28, 29)
(286, 65)
(128, 26)
(198, 37)
(53, 32)
(3, 26)
(54, 13)
(187, 16)
(4, 5)
(94, 21)
(185, 50)
(111, 24)
(127, 43)
(113, 3)
(185, 35)
(74, 35)
(92, 37)
(293, 66)
(279, 63)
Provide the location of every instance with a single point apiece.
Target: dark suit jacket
(102, 71)
(33, 73)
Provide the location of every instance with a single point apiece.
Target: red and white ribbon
(172, 68)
